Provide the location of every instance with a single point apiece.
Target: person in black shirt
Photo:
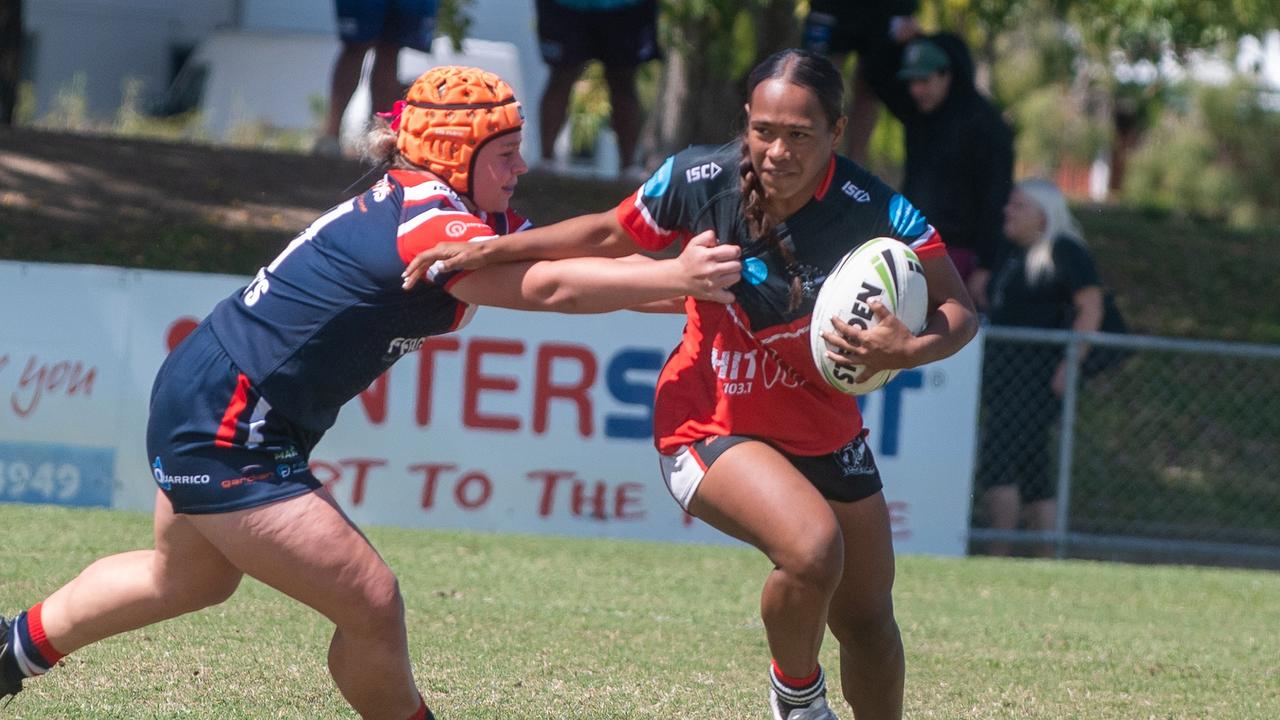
(1048, 280)
(876, 30)
(959, 154)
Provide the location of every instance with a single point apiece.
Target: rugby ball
(882, 269)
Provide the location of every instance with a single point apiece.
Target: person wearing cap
(238, 406)
(959, 154)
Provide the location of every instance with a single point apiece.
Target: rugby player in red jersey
(752, 440)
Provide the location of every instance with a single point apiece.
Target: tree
(10, 58)
(1149, 30)
(710, 48)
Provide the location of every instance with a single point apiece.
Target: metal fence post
(1066, 444)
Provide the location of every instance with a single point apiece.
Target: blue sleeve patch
(657, 184)
(905, 219)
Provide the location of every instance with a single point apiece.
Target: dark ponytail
(815, 73)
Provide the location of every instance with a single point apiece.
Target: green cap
(921, 59)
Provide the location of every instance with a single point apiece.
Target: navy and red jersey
(746, 368)
(328, 315)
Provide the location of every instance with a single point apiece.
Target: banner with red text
(521, 422)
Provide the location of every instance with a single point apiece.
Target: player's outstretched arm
(703, 270)
(597, 234)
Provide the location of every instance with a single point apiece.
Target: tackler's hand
(708, 269)
(450, 255)
(884, 346)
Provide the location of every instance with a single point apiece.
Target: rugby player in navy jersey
(752, 440)
(237, 407)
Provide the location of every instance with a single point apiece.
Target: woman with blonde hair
(1048, 280)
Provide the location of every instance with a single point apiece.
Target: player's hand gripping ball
(882, 269)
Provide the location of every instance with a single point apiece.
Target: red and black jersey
(328, 315)
(746, 368)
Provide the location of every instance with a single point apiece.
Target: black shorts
(836, 27)
(213, 443)
(1019, 411)
(846, 475)
(625, 37)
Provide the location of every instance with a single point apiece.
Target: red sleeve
(929, 245)
(438, 225)
(634, 216)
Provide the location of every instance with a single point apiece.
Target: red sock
(422, 713)
(795, 683)
(36, 627)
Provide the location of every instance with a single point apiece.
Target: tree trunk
(10, 58)
(701, 95)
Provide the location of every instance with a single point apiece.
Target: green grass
(538, 627)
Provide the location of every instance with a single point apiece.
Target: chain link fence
(1153, 450)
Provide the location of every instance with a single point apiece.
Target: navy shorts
(625, 37)
(213, 443)
(846, 475)
(407, 23)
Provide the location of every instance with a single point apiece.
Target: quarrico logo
(167, 481)
(905, 219)
(657, 183)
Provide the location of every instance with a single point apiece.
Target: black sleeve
(1073, 266)
(993, 180)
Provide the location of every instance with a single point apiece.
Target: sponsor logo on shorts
(167, 481)
(249, 474)
(854, 458)
(284, 470)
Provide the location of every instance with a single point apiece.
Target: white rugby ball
(882, 269)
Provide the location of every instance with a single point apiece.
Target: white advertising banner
(521, 422)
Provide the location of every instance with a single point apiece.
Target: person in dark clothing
(1048, 280)
(875, 30)
(959, 154)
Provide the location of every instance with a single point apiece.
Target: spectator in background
(876, 31)
(621, 34)
(1048, 280)
(959, 154)
(383, 26)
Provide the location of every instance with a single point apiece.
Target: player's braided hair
(815, 73)
(761, 229)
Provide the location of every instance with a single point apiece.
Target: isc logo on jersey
(705, 171)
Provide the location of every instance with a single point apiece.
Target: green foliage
(1217, 159)
(454, 21)
(1053, 127)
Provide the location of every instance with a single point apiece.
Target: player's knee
(814, 558)
(868, 624)
(191, 594)
(381, 605)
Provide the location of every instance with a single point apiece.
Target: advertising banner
(520, 422)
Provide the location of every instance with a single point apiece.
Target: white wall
(111, 40)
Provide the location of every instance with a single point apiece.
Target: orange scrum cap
(449, 113)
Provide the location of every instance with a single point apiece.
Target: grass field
(537, 627)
